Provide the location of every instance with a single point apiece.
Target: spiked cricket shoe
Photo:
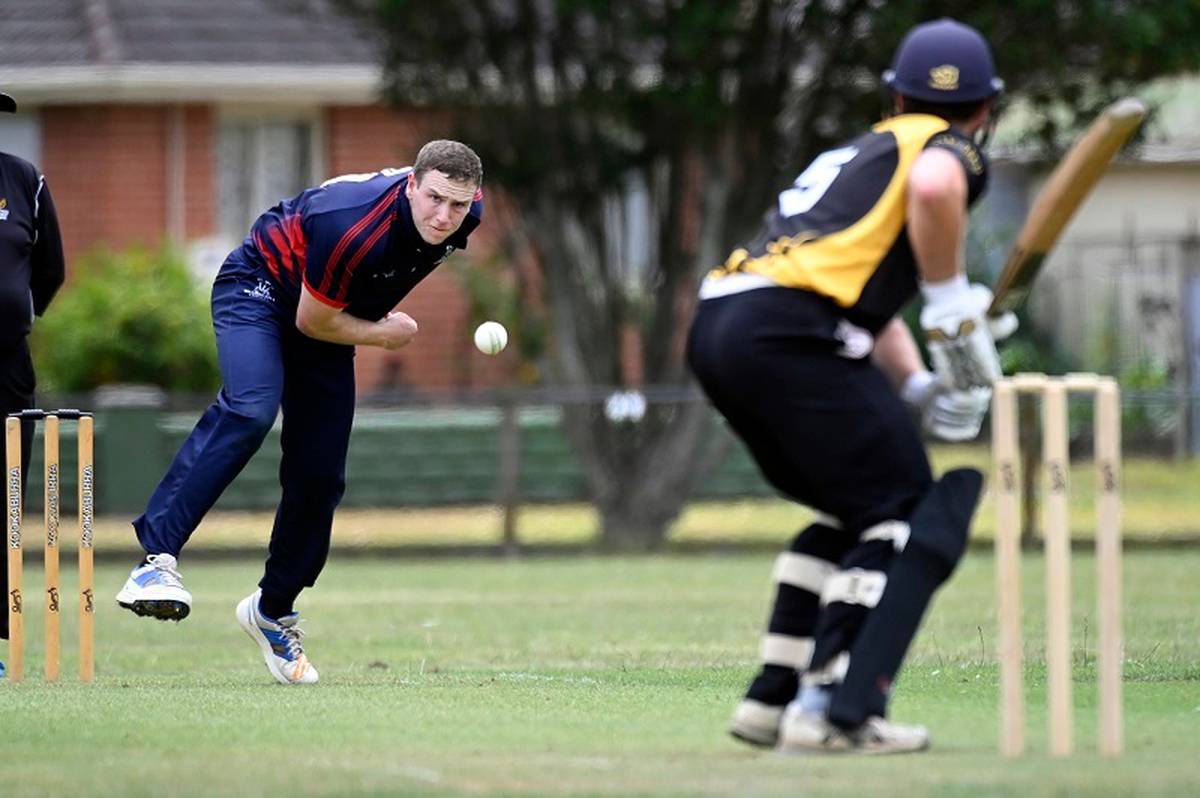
(811, 733)
(155, 589)
(879, 736)
(281, 642)
(756, 723)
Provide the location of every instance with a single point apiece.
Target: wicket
(16, 625)
(1056, 537)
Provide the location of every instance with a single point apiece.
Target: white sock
(815, 699)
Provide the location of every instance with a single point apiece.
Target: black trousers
(17, 385)
(827, 431)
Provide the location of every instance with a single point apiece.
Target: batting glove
(957, 334)
(945, 413)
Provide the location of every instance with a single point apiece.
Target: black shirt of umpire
(31, 259)
(31, 271)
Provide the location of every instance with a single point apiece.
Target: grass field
(569, 676)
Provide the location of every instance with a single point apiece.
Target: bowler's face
(439, 205)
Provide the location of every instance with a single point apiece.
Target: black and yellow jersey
(839, 230)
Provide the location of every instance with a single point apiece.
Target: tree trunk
(631, 528)
(641, 474)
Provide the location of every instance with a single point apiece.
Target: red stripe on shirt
(324, 300)
(279, 239)
(295, 234)
(348, 237)
(344, 283)
(272, 266)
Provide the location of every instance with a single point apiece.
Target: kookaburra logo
(52, 502)
(1058, 477)
(1007, 477)
(1108, 478)
(14, 508)
(86, 508)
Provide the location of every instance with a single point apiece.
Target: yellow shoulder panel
(839, 265)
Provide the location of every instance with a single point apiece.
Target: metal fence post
(1190, 247)
(508, 470)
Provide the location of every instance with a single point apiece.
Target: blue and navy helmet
(944, 61)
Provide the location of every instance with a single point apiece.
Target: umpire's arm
(47, 267)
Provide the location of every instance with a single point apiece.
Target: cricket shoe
(811, 733)
(155, 589)
(281, 642)
(756, 723)
(880, 736)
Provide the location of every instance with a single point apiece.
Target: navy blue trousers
(266, 364)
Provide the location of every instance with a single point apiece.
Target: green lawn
(569, 676)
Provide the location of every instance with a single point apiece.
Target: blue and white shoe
(2, 671)
(155, 590)
(281, 642)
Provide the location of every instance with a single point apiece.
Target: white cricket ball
(491, 337)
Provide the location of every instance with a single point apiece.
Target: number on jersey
(814, 181)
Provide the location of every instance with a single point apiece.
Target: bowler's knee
(252, 422)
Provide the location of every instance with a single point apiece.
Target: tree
(684, 117)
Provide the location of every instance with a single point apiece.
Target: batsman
(797, 342)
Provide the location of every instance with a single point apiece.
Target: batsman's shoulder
(967, 152)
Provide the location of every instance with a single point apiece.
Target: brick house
(171, 120)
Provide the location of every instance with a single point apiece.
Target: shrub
(132, 317)
(1149, 411)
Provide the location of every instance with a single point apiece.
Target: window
(21, 135)
(260, 161)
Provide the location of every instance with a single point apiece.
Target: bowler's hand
(396, 330)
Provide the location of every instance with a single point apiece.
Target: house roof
(74, 51)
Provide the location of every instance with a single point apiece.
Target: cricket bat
(1065, 190)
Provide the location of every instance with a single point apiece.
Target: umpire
(31, 270)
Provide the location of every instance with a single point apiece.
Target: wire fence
(1130, 306)
(498, 445)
